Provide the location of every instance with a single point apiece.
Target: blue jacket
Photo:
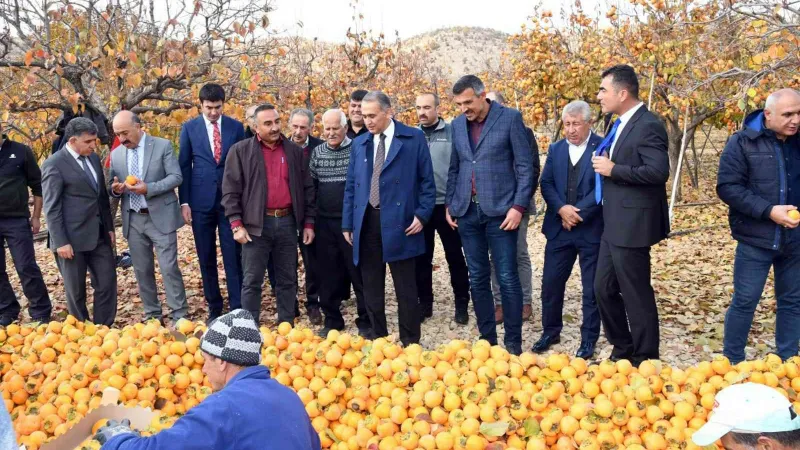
(554, 192)
(752, 179)
(252, 412)
(202, 176)
(502, 163)
(407, 190)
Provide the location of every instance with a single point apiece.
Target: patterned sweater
(328, 168)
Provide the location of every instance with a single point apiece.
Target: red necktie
(217, 143)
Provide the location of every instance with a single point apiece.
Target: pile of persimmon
(376, 394)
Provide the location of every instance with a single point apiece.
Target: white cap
(747, 408)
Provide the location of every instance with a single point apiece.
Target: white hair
(577, 108)
(342, 116)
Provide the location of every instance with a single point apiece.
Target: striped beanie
(234, 338)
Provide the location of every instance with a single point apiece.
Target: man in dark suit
(204, 144)
(488, 190)
(573, 225)
(79, 222)
(632, 167)
(386, 205)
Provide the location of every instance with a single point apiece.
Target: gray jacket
(74, 210)
(161, 173)
(440, 143)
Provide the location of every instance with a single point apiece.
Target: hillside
(462, 50)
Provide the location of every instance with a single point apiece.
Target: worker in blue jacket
(248, 411)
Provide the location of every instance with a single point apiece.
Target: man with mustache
(151, 215)
(268, 197)
(759, 179)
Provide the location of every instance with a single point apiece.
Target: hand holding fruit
(138, 186)
(113, 428)
(785, 215)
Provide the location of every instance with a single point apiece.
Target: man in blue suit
(573, 225)
(204, 144)
(386, 205)
(488, 189)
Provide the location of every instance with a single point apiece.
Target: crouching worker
(248, 410)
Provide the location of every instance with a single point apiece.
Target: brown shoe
(498, 314)
(527, 312)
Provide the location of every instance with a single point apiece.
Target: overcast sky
(329, 19)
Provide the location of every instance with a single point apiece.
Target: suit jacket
(407, 190)
(76, 213)
(162, 174)
(202, 176)
(635, 195)
(554, 191)
(502, 164)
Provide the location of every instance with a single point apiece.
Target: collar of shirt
(72, 152)
(267, 146)
(208, 123)
(389, 133)
(140, 147)
(576, 151)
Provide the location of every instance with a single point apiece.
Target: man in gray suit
(79, 222)
(151, 215)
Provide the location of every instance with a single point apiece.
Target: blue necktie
(602, 150)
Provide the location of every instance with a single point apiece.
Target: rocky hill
(462, 50)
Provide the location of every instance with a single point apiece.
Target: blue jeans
(750, 271)
(480, 234)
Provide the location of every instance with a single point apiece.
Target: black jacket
(635, 208)
(751, 179)
(18, 172)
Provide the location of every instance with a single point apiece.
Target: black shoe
(213, 314)
(515, 350)
(6, 321)
(323, 332)
(544, 343)
(586, 350)
(462, 316)
(426, 312)
(314, 315)
(366, 333)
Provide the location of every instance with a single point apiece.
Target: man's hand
(513, 218)
(36, 224)
(450, 221)
(602, 165)
(242, 236)
(348, 236)
(308, 236)
(569, 214)
(139, 188)
(780, 215)
(113, 237)
(415, 227)
(186, 212)
(117, 187)
(65, 252)
(113, 428)
(565, 225)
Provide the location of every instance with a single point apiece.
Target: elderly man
(632, 168)
(759, 179)
(524, 266)
(247, 411)
(151, 215)
(328, 169)
(250, 127)
(19, 172)
(301, 122)
(439, 135)
(78, 217)
(751, 416)
(389, 196)
(573, 225)
(355, 125)
(488, 191)
(268, 198)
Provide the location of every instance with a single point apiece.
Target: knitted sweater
(328, 168)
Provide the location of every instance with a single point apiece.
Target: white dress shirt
(387, 142)
(623, 120)
(140, 151)
(576, 151)
(77, 156)
(210, 131)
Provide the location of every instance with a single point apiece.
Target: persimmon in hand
(131, 180)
